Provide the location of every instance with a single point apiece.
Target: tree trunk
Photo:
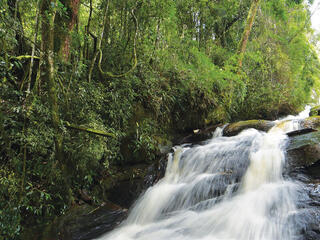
(33, 48)
(15, 14)
(86, 37)
(247, 30)
(47, 32)
(64, 25)
(105, 15)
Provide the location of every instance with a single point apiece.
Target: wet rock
(314, 170)
(93, 224)
(156, 172)
(164, 149)
(303, 150)
(304, 164)
(311, 122)
(304, 156)
(125, 185)
(234, 129)
(80, 223)
(301, 131)
(307, 216)
(315, 111)
(199, 135)
(126, 192)
(306, 139)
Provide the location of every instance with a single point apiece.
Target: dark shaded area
(80, 223)
(301, 131)
(93, 225)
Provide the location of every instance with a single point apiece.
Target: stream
(226, 188)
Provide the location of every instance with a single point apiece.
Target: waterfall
(227, 188)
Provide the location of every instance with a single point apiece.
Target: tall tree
(247, 30)
(65, 22)
(48, 13)
(14, 12)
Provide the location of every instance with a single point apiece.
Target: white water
(230, 188)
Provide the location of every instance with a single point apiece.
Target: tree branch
(89, 130)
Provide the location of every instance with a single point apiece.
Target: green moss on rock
(315, 111)
(235, 128)
(311, 122)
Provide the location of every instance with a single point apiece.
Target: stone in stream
(303, 160)
(303, 150)
(308, 201)
(304, 145)
(198, 135)
(311, 122)
(234, 129)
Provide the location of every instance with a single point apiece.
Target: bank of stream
(249, 180)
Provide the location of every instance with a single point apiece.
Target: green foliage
(9, 212)
(187, 77)
(30, 190)
(277, 63)
(145, 145)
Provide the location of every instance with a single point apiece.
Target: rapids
(227, 188)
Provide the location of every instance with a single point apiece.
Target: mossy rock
(315, 111)
(311, 122)
(234, 129)
(303, 150)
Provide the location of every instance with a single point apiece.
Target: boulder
(89, 225)
(234, 129)
(315, 111)
(314, 172)
(311, 122)
(127, 183)
(80, 223)
(303, 150)
(308, 201)
(198, 135)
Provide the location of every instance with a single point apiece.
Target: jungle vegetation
(89, 85)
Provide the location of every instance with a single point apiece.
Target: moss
(311, 122)
(235, 128)
(315, 111)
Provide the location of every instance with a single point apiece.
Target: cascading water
(228, 188)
